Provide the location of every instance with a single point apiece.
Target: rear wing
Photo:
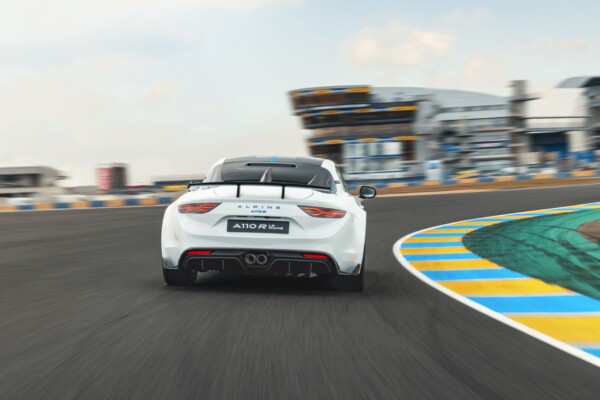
(240, 183)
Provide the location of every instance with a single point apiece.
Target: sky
(171, 86)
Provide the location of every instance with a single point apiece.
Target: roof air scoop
(317, 181)
(267, 177)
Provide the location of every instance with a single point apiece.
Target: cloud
(484, 65)
(489, 73)
(161, 90)
(160, 93)
(144, 82)
(549, 46)
(571, 44)
(473, 16)
(396, 45)
(482, 73)
(127, 110)
(30, 22)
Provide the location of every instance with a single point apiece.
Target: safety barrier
(469, 181)
(107, 203)
(121, 202)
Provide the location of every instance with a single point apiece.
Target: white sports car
(271, 216)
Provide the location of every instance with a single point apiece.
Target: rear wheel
(180, 276)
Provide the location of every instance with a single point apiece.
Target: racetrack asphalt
(85, 314)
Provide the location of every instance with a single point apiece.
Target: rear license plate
(239, 225)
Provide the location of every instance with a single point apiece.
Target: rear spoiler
(240, 183)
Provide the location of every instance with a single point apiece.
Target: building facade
(390, 134)
(590, 121)
(112, 178)
(366, 135)
(39, 182)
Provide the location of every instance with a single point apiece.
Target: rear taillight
(197, 208)
(198, 252)
(320, 212)
(315, 255)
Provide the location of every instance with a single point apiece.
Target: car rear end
(270, 226)
(304, 234)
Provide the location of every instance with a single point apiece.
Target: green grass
(548, 248)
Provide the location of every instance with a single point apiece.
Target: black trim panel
(279, 263)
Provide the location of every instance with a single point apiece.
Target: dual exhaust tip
(259, 259)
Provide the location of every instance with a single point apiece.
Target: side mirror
(367, 192)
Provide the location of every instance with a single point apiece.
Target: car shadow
(245, 284)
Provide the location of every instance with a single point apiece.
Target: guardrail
(166, 199)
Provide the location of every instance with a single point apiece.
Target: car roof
(277, 160)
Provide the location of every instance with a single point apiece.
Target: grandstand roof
(444, 97)
(580, 82)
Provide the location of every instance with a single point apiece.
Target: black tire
(180, 276)
(351, 283)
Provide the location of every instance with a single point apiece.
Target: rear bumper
(278, 263)
(343, 240)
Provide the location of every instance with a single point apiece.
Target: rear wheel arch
(180, 276)
(351, 283)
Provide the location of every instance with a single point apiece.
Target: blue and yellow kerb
(116, 202)
(440, 255)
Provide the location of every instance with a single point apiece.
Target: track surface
(85, 315)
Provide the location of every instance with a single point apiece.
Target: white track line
(484, 310)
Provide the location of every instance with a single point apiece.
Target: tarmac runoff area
(537, 271)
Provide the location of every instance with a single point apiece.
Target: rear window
(299, 174)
